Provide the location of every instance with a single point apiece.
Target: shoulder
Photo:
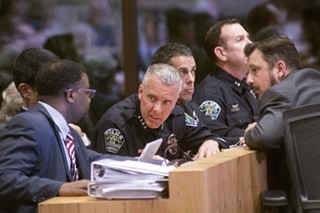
(177, 111)
(209, 81)
(32, 117)
(121, 111)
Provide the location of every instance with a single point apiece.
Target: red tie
(70, 147)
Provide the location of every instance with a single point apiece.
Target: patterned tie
(70, 147)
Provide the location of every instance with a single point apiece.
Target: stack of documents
(112, 179)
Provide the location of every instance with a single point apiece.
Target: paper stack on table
(112, 179)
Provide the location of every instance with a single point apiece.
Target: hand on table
(76, 188)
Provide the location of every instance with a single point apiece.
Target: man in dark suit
(35, 163)
(280, 84)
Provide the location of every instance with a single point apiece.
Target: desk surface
(230, 181)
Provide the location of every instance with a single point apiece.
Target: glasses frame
(90, 92)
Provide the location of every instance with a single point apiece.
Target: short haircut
(275, 48)
(213, 37)
(54, 78)
(28, 63)
(166, 73)
(167, 51)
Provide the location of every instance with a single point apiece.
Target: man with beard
(280, 84)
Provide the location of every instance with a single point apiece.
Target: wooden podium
(230, 181)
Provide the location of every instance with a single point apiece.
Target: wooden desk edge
(199, 171)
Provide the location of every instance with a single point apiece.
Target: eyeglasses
(89, 92)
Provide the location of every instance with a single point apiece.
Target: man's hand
(208, 148)
(250, 126)
(76, 188)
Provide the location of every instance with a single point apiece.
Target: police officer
(224, 96)
(180, 57)
(127, 126)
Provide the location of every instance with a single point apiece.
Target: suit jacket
(33, 165)
(299, 88)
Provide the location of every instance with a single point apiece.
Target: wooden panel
(130, 46)
(227, 182)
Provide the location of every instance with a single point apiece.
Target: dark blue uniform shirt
(227, 100)
(122, 131)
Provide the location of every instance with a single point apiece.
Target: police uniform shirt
(122, 131)
(216, 128)
(226, 99)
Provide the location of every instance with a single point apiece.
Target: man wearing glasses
(40, 155)
(24, 70)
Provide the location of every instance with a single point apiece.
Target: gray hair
(166, 73)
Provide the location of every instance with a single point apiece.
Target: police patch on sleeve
(113, 140)
(190, 121)
(211, 109)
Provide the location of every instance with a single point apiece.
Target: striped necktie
(70, 147)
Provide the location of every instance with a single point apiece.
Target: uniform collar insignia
(237, 83)
(235, 108)
(144, 125)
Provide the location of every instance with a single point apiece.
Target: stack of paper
(112, 179)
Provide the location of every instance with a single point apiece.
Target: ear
(25, 90)
(69, 94)
(219, 51)
(281, 70)
(140, 90)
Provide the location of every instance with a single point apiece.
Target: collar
(57, 118)
(236, 84)
(142, 122)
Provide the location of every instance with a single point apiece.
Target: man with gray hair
(129, 125)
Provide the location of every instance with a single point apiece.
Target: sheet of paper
(150, 150)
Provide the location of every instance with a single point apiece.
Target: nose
(190, 78)
(157, 107)
(250, 79)
(248, 40)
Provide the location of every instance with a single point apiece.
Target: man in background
(180, 57)
(224, 96)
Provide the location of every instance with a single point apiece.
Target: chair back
(302, 144)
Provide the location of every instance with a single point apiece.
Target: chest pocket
(238, 116)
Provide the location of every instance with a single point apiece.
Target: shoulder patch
(113, 140)
(211, 109)
(190, 121)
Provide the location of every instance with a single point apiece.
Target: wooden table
(230, 181)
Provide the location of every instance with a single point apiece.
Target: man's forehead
(182, 61)
(232, 30)
(161, 91)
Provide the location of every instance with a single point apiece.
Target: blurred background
(93, 32)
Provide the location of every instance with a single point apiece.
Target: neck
(236, 72)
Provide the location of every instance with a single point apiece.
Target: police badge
(210, 108)
(113, 140)
(190, 121)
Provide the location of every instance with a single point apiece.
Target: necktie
(70, 147)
